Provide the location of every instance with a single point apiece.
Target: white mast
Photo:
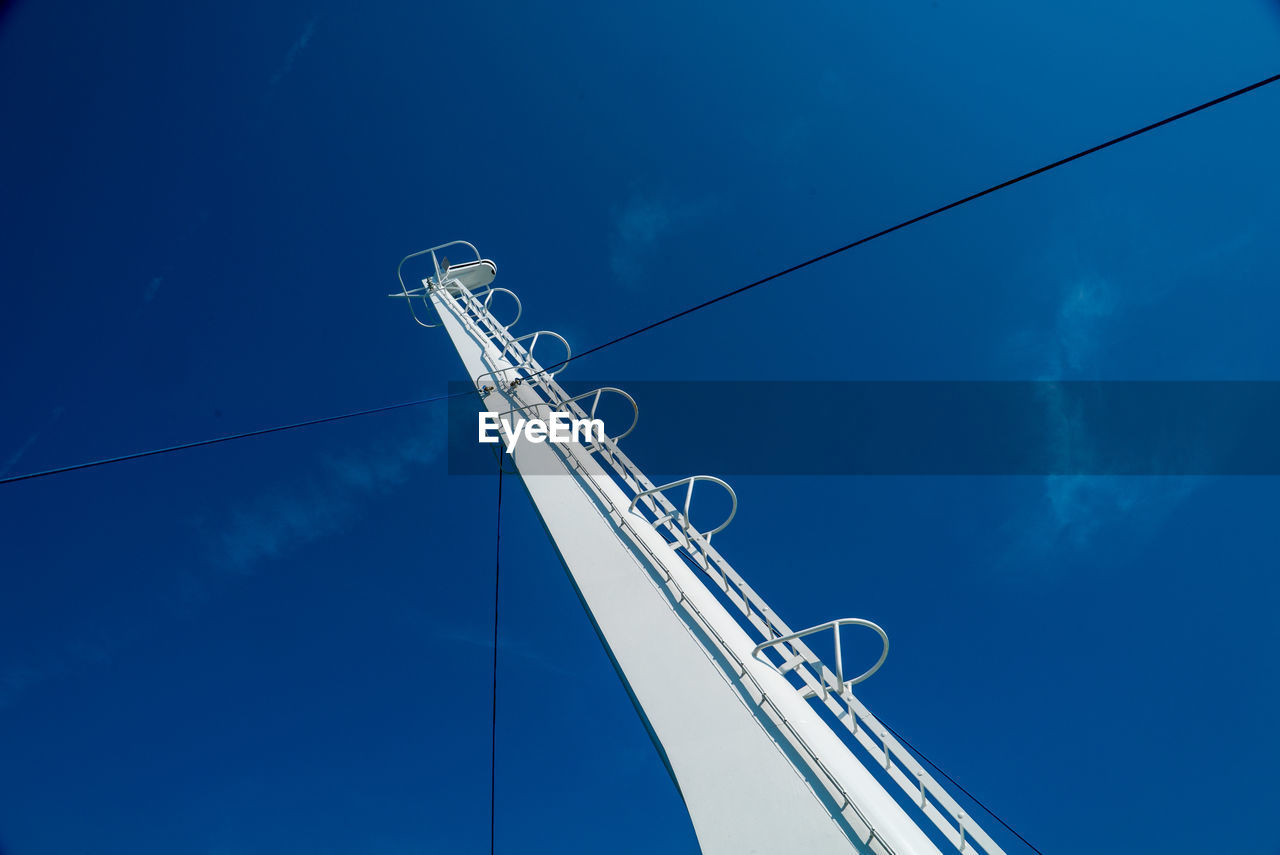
(739, 707)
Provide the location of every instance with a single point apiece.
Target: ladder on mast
(738, 705)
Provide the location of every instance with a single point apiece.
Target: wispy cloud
(16, 456)
(264, 527)
(152, 287)
(643, 224)
(298, 46)
(1087, 306)
(277, 522)
(88, 645)
(1074, 509)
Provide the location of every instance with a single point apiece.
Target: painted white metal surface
(758, 767)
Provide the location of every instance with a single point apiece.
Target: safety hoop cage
(842, 685)
(569, 407)
(422, 293)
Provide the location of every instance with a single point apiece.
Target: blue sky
(283, 644)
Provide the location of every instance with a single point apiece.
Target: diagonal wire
(859, 242)
(493, 744)
(905, 223)
(203, 442)
(957, 785)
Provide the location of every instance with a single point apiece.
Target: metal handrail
(568, 353)
(689, 530)
(556, 407)
(513, 345)
(834, 626)
(635, 408)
